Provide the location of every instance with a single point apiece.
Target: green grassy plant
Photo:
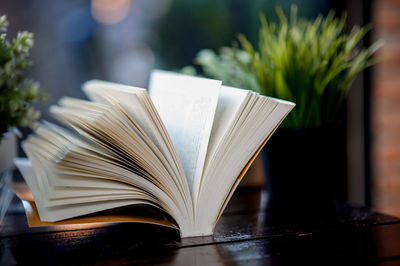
(312, 63)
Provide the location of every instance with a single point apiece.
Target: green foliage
(17, 94)
(311, 63)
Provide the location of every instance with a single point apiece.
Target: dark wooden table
(246, 235)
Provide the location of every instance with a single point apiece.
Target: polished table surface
(246, 234)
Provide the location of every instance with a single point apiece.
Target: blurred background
(123, 40)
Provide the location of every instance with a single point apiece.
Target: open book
(183, 149)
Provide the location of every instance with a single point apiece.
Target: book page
(136, 106)
(229, 103)
(187, 107)
(257, 121)
(129, 99)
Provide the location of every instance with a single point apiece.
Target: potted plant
(17, 96)
(312, 63)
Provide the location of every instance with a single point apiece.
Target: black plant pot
(306, 171)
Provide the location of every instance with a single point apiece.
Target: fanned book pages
(183, 148)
